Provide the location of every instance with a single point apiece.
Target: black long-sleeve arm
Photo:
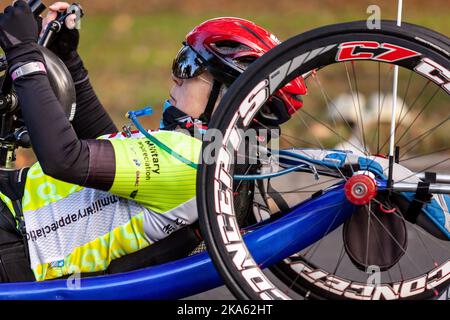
(62, 153)
(91, 119)
(54, 140)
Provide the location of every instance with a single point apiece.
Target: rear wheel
(380, 252)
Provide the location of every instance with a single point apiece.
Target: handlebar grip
(37, 7)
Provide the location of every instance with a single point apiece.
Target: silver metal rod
(394, 89)
(440, 178)
(412, 187)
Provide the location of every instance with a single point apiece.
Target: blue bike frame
(269, 243)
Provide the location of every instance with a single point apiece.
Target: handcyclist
(96, 201)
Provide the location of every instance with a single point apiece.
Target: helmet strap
(215, 91)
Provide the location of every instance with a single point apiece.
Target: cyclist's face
(191, 95)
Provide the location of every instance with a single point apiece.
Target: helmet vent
(244, 62)
(229, 47)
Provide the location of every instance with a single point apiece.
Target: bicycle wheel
(335, 59)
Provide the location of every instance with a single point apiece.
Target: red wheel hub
(360, 189)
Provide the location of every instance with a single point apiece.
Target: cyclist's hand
(66, 41)
(18, 27)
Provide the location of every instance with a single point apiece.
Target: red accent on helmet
(228, 45)
(292, 93)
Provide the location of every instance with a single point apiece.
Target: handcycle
(365, 191)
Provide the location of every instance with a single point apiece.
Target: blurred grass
(129, 54)
(128, 46)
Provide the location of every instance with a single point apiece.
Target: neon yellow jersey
(71, 229)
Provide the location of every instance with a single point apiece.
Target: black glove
(65, 44)
(19, 34)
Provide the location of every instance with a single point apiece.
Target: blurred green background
(128, 46)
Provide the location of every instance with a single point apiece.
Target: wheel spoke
(324, 234)
(417, 116)
(318, 243)
(359, 107)
(318, 141)
(425, 154)
(418, 229)
(420, 171)
(367, 207)
(406, 94)
(395, 241)
(409, 110)
(333, 131)
(423, 136)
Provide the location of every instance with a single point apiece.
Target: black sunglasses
(187, 64)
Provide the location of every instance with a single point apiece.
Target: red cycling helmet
(225, 47)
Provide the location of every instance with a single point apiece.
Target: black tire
(429, 44)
